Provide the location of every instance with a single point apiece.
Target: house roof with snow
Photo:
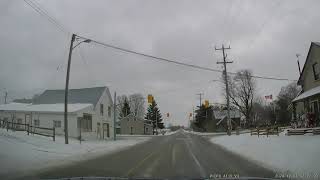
(221, 114)
(84, 95)
(309, 93)
(53, 108)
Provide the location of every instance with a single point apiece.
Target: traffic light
(168, 114)
(150, 98)
(206, 103)
(190, 115)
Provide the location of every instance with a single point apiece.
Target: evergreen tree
(153, 114)
(125, 111)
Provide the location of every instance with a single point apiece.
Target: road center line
(139, 164)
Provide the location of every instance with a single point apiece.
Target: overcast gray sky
(264, 37)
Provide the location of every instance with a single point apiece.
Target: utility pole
(193, 113)
(225, 62)
(66, 91)
(200, 97)
(114, 116)
(5, 97)
(156, 124)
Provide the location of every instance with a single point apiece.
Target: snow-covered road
(20, 153)
(294, 154)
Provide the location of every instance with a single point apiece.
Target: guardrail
(48, 132)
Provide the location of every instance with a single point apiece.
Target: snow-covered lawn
(20, 153)
(294, 154)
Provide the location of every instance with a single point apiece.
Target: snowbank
(20, 153)
(215, 133)
(296, 154)
(167, 133)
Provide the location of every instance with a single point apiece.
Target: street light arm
(86, 41)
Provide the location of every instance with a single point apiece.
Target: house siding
(46, 119)
(308, 78)
(307, 81)
(106, 100)
(137, 127)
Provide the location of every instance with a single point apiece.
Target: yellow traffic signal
(150, 98)
(206, 103)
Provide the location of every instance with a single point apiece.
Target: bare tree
(137, 105)
(241, 92)
(286, 95)
(120, 105)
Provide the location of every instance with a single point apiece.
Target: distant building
(132, 125)
(221, 118)
(88, 108)
(309, 80)
(216, 120)
(26, 101)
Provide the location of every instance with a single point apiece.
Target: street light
(73, 37)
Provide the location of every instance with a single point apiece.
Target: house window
(57, 124)
(316, 71)
(101, 109)
(36, 122)
(86, 122)
(109, 111)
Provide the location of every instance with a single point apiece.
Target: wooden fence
(42, 131)
(302, 131)
(265, 131)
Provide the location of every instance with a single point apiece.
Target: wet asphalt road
(181, 155)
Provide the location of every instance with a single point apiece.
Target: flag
(268, 97)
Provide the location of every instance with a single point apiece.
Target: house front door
(316, 111)
(314, 108)
(106, 130)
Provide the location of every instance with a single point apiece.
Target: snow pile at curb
(297, 154)
(20, 153)
(215, 133)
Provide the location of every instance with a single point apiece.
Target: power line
(156, 58)
(35, 6)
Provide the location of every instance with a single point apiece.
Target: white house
(88, 108)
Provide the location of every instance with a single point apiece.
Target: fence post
(7, 125)
(28, 128)
(258, 132)
(54, 133)
(80, 132)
